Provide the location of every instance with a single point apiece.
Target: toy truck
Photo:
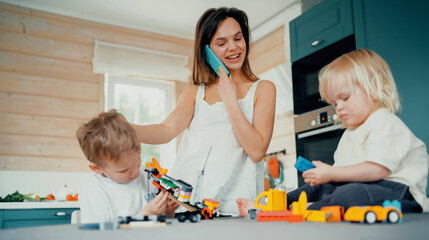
(390, 212)
(181, 193)
(275, 209)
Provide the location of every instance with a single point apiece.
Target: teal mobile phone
(214, 61)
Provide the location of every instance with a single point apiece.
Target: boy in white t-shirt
(119, 187)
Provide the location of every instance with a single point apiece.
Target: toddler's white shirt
(384, 139)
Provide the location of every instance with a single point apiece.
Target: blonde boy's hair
(106, 137)
(367, 70)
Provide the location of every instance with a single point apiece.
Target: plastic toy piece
(276, 208)
(334, 213)
(161, 171)
(303, 164)
(389, 212)
(274, 216)
(300, 208)
(276, 200)
(211, 209)
(315, 216)
(181, 193)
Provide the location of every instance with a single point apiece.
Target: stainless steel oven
(317, 135)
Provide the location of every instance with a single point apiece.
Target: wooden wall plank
(73, 30)
(269, 41)
(49, 87)
(34, 163)
(51, 48)
(45, 106)
(39, 126)
(46, 67)
(55, 17)
(268, 52)
(40, 146)
(261, 64)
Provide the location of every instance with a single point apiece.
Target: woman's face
(229, 45)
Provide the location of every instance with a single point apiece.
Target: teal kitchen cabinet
(27, 214)
(399, 31)
(327, 23)
(12, 218)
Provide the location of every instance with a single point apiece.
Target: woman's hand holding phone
(226, 88)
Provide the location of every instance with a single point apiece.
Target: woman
(232, 116)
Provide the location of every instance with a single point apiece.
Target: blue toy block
(303, 164)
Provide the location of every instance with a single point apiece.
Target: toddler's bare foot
(244, 205)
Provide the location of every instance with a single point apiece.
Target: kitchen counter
(39, 205)
(414, 226)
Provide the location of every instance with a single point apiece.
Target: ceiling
(171, 17)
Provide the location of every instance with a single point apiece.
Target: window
(143, 101)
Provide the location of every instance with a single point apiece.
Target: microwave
(305, 73)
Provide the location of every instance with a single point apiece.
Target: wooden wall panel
(268, 52)
(46, 67)
(39, 125)
(45, 106)
(35, 23)
(47, 87)
(12, 144)
(32, 163)
(52, 48)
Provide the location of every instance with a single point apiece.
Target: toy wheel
(181, 217)
(370, 217)
(194, 218)
(392, 217)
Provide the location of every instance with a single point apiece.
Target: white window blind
(132, 61)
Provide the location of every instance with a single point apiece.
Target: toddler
(378, 158)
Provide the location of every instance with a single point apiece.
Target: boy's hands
(158, 205)
(322, 173)
(171, 208)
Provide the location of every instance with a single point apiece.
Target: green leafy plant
(18, 197)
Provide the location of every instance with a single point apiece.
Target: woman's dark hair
(204, 31)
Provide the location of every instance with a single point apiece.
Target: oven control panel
(315, 119)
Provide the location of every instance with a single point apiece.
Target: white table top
(414, 226)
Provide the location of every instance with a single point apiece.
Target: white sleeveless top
(229, 173)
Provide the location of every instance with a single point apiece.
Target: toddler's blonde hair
(366, 69)
(106, 137)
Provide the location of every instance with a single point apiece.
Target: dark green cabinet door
(327, 23)
(399, 31)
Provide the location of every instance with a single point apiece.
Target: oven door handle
(319, 131)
